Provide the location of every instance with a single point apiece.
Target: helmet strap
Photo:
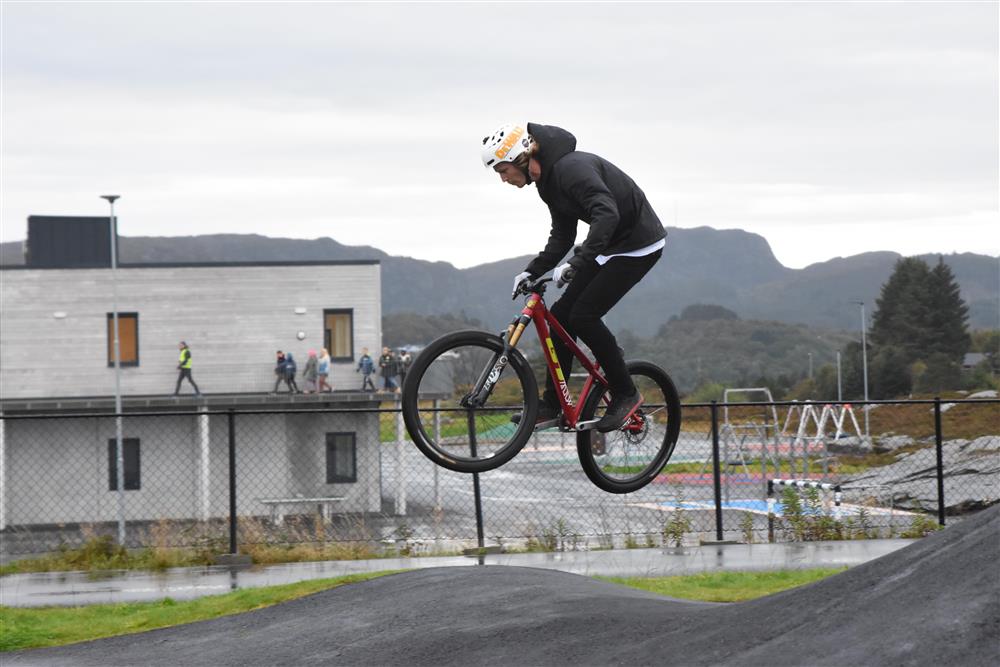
(527, 174)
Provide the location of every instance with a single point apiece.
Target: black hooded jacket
(582, 186)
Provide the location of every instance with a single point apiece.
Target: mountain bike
(470, 403)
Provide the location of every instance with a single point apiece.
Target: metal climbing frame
(811, 430)
(736, 436)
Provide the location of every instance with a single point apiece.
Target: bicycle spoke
(440, 402)
(630, 457)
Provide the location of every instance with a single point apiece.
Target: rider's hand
(519, 279)
(563, 274)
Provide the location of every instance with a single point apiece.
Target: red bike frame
(536, 311)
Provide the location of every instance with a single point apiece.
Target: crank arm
(552, 423)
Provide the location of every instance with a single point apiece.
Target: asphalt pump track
(935, 602)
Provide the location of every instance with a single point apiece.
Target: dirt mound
(935, 602)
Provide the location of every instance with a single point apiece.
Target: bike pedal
(587, 425)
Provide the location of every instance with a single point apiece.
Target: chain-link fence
(349, 483)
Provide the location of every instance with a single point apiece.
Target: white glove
(563, 274)
(518, 279)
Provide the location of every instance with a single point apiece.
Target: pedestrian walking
(184, 366)
(284, 371)
(323, 371)
(387, 369)
(366, 366)
(404, 365)
(290, 370)
(310, 373)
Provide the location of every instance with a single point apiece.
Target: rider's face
(511, 174)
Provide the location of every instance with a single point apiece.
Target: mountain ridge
(731, 267)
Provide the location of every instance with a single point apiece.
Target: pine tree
(920, 316)
(901, 313)
(852, 371)
(947, 316)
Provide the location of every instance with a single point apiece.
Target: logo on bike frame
(563, 387)
(497, 370)
(555, 359)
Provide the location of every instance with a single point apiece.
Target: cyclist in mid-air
(625, 240)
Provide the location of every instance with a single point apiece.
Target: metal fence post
(939, 447)
(437, 438)
(232, 481)
(770, 510)
(400, 493)
(475, 481)
(3, 473)
(716, 472)
(205, 477)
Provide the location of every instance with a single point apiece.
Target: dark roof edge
(103, 405)
(196, 265)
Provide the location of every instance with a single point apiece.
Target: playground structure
(753, 437)
(808, 441)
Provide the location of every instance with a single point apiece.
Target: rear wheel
(628, 459)
(437, 412)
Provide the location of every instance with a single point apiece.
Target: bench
(277, 505)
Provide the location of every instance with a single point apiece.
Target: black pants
(185, 373)
(593, 292)
(289, 381)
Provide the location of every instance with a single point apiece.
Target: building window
(130, 452)
(338, 334)
(128, 338)
(341, 458)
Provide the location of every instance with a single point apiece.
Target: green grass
(839, 465)
(455, 424)
(726, 586)
(35, 627)
(101, 553)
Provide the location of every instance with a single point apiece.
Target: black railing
(238, 480)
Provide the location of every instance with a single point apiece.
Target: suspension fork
(494, 369)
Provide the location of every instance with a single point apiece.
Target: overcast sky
(830, 129)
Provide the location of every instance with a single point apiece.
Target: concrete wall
(56, 470)
(233, 317)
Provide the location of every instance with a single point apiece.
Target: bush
(706, 392)
(941, 374)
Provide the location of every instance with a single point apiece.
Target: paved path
(935, 602)
(80, 588)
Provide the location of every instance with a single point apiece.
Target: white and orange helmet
(505, 144)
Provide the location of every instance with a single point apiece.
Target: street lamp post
(119, 450)
(840, 390)
(864, 362)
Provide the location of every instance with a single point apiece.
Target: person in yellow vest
(184, 366)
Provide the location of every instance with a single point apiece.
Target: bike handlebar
(529, 286)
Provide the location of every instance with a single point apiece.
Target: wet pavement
(78, 588)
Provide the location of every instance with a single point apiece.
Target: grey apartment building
(56, 360)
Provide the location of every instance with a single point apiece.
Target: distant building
(57, 357)
(58, 337)
(973, 359)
